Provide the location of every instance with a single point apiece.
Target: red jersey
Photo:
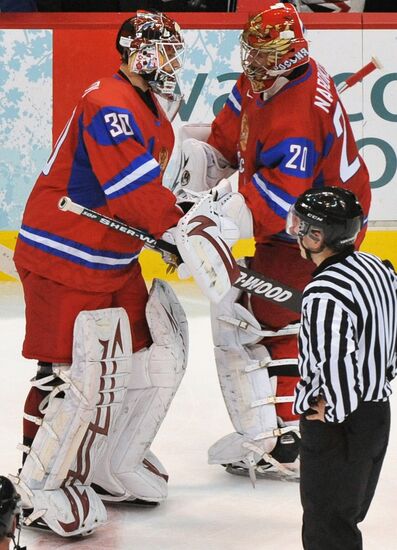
(297, 139)
(110, 157)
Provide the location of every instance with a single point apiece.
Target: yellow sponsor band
(379, 242)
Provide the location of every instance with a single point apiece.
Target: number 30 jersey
(110, 157)
(297, 139)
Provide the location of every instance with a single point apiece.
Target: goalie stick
(248, 281)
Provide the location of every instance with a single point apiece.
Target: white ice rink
(207, 509)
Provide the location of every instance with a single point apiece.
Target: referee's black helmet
(334, 211)
(9, 506)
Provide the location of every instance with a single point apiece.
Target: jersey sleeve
(225, 129)
(126, 169)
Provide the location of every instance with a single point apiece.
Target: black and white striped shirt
(347, 339)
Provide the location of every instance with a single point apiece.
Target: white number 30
(119, 124)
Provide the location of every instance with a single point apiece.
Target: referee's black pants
(340, 467)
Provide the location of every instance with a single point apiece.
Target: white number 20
(297, 151)
(346, 170)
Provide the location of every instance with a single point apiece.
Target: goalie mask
(332, 215)
(272, 44)
(152, 46)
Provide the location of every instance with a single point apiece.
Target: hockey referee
(347, 359)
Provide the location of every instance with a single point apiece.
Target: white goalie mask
(152, 46)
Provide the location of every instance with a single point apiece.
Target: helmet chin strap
(308, 252)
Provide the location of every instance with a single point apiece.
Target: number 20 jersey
(297, 139)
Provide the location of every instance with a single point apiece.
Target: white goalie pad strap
(246, 325)
(202, 238)
(44, 382)
(278, 432)
(272, 400)
(128, 471)
(266, 363)
(34, 419)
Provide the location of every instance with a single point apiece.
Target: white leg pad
(70, 441)
(156, 375)
(248, 389)
(250, 400)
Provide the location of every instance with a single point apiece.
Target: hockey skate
(285, 453)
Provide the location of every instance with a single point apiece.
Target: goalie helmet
(271, 44)
(152, 46)
(9, 506)
(330, 213)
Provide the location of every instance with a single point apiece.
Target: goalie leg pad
(81, 412)
(130, 470)
(244, 371)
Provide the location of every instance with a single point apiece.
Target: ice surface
(207, 508)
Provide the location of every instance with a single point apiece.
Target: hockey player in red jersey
(285, 129)
(98, 398)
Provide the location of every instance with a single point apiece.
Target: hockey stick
(249, 281)
(359, 75)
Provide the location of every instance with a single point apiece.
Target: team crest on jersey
(244, 131)
(163, 158)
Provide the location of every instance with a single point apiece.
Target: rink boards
(48, 60)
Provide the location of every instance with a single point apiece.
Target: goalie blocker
(101, 417)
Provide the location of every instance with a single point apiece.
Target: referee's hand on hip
(319, 407)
